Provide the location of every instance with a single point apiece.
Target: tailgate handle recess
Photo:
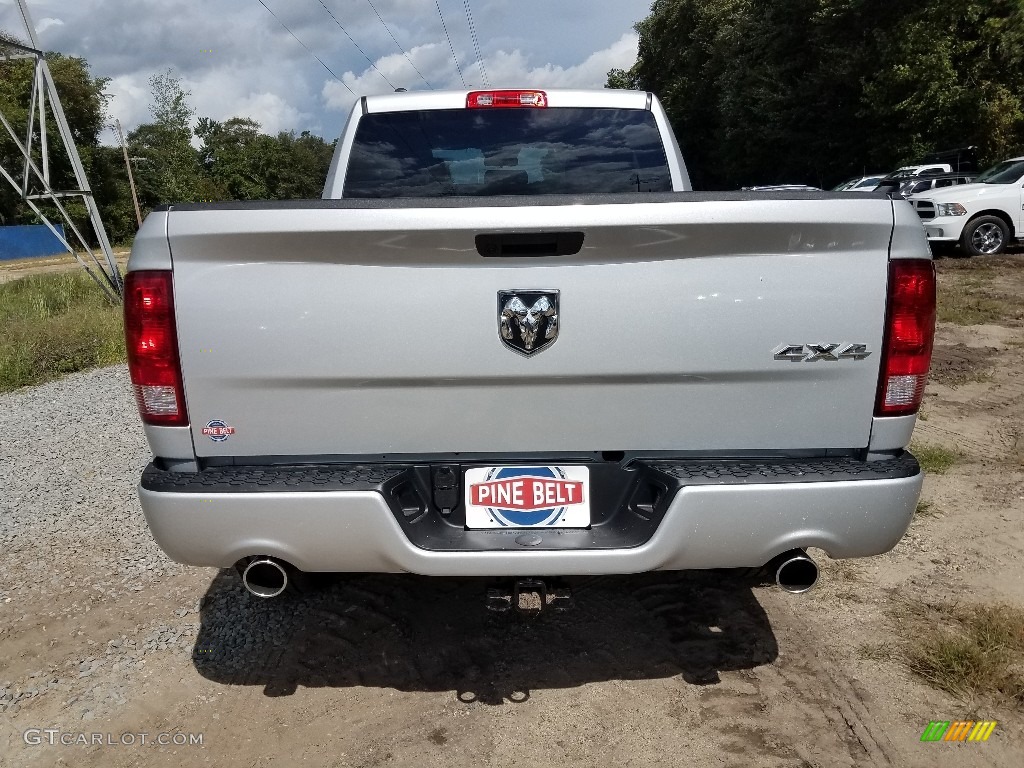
(530, 244)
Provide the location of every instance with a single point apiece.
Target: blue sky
(237, 60)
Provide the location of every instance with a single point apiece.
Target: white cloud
(433, 61)
(271, 111)
(44, 24)
(514, 69)
(215, 94)
(255, 68)
(504, 69)
(129, 104)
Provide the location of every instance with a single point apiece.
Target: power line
(307, 49)
(400, 46)
(476, 43)
(452, 47)
(372, 65)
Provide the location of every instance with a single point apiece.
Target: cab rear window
(437, 153)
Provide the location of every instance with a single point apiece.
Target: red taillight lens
(152, 343)
(909, 330)
(493, 99)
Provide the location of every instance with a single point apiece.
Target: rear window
(436, 153)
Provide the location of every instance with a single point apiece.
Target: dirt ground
(694, 669)
(18, 268)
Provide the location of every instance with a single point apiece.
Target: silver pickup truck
(511, 341)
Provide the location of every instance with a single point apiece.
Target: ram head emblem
(528, 320)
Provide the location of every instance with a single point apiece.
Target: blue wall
(22, 242)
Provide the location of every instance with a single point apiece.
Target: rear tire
(985, 236)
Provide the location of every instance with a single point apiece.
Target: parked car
(918, 185)
(907, 171)
(860, 183)
(782, 188)
(984, 217)
(962, 159)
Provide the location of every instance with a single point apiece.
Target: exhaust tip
(265, 577)
(796, 573)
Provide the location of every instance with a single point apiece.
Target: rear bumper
(718, 515)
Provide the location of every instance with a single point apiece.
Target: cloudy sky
(238, 60)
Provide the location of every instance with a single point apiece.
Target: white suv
(983, 217)
(908, 171)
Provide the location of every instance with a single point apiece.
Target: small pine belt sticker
(218, 431)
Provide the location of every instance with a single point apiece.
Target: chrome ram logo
(527, 320)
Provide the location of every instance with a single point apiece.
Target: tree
(243, 164)
(763, 91)
(236, 157)
(84, 100)
(621, 78)
(305, 161)
(168, 168)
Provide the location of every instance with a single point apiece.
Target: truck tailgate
(372, 327)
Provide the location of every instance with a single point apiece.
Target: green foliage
(305, 160)
(813, 91)
(620, 78)
(55, 324)
(243, 164)
(84, 102)
(167, 167)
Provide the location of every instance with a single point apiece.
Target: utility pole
(128, 165)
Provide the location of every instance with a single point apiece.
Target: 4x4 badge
(812, 353)
(527, 320)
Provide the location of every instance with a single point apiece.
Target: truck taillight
(909, 331)
(498, 99)
(152, 343)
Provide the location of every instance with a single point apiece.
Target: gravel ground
(70, 458)
(101, 633)
(71, 452)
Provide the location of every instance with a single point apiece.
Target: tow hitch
(529, 596)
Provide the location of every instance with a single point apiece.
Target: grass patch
(933, 458)
(960, 305)
(970, 651)
(977, 376)
(55, 324)
(927, 509)
(967, 296)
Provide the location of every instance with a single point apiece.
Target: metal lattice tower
(32, 179)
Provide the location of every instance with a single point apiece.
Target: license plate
(528, 497)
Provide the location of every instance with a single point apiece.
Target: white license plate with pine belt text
(527, 497)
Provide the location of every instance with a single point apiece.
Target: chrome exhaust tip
(265, 577)
(796, 572)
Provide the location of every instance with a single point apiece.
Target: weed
(970, 651)
(967, 296)
(54, 324)
(933, 458)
